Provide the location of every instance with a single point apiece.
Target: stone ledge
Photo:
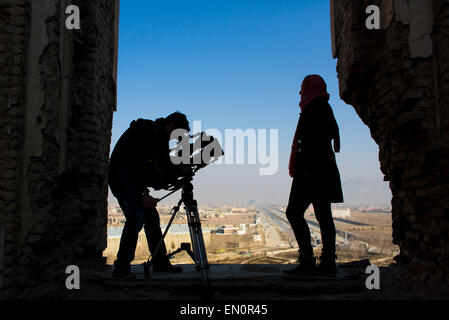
(252, 281)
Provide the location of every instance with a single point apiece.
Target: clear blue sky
(236, 64)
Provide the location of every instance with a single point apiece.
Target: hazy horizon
(357, 192)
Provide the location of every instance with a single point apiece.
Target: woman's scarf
(313, 87)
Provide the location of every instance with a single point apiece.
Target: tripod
(198, 255)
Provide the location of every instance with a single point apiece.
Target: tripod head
(187, 189)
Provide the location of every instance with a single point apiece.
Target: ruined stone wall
(57, 97)
(12, 86)
(397, 80)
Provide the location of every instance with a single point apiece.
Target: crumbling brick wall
(57, 98)
(397, 80)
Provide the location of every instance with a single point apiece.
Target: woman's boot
(327, 265)
(306, 267)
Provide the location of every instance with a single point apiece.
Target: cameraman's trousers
(137, 217)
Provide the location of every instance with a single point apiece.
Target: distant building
(115, 232)
(115, 210)
(257, 240)
(341, 213)
(232, 245)
(177, 234)
(114, 221)
(240, 209)
(227, 229)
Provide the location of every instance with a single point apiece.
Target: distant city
(260, 233)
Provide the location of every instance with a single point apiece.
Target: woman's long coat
(316, 175)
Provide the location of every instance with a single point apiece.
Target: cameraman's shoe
(167, 267)
(123, 273)
(327, 266)
(306, 267)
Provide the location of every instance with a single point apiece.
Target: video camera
(186, 158)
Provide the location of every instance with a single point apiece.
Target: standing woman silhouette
(316, 179)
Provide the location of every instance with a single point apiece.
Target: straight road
(280, 219)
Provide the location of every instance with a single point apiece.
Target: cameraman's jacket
(142, 152)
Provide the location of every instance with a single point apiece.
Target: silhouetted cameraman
(141, 158)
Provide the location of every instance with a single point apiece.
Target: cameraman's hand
(149, 202)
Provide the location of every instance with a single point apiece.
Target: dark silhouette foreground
(316, 179)
(141, 149)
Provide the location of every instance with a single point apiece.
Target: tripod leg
(173, 253)
(196, 236)
(147, 264)
(190, 253)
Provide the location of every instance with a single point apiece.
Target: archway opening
(230, 66)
